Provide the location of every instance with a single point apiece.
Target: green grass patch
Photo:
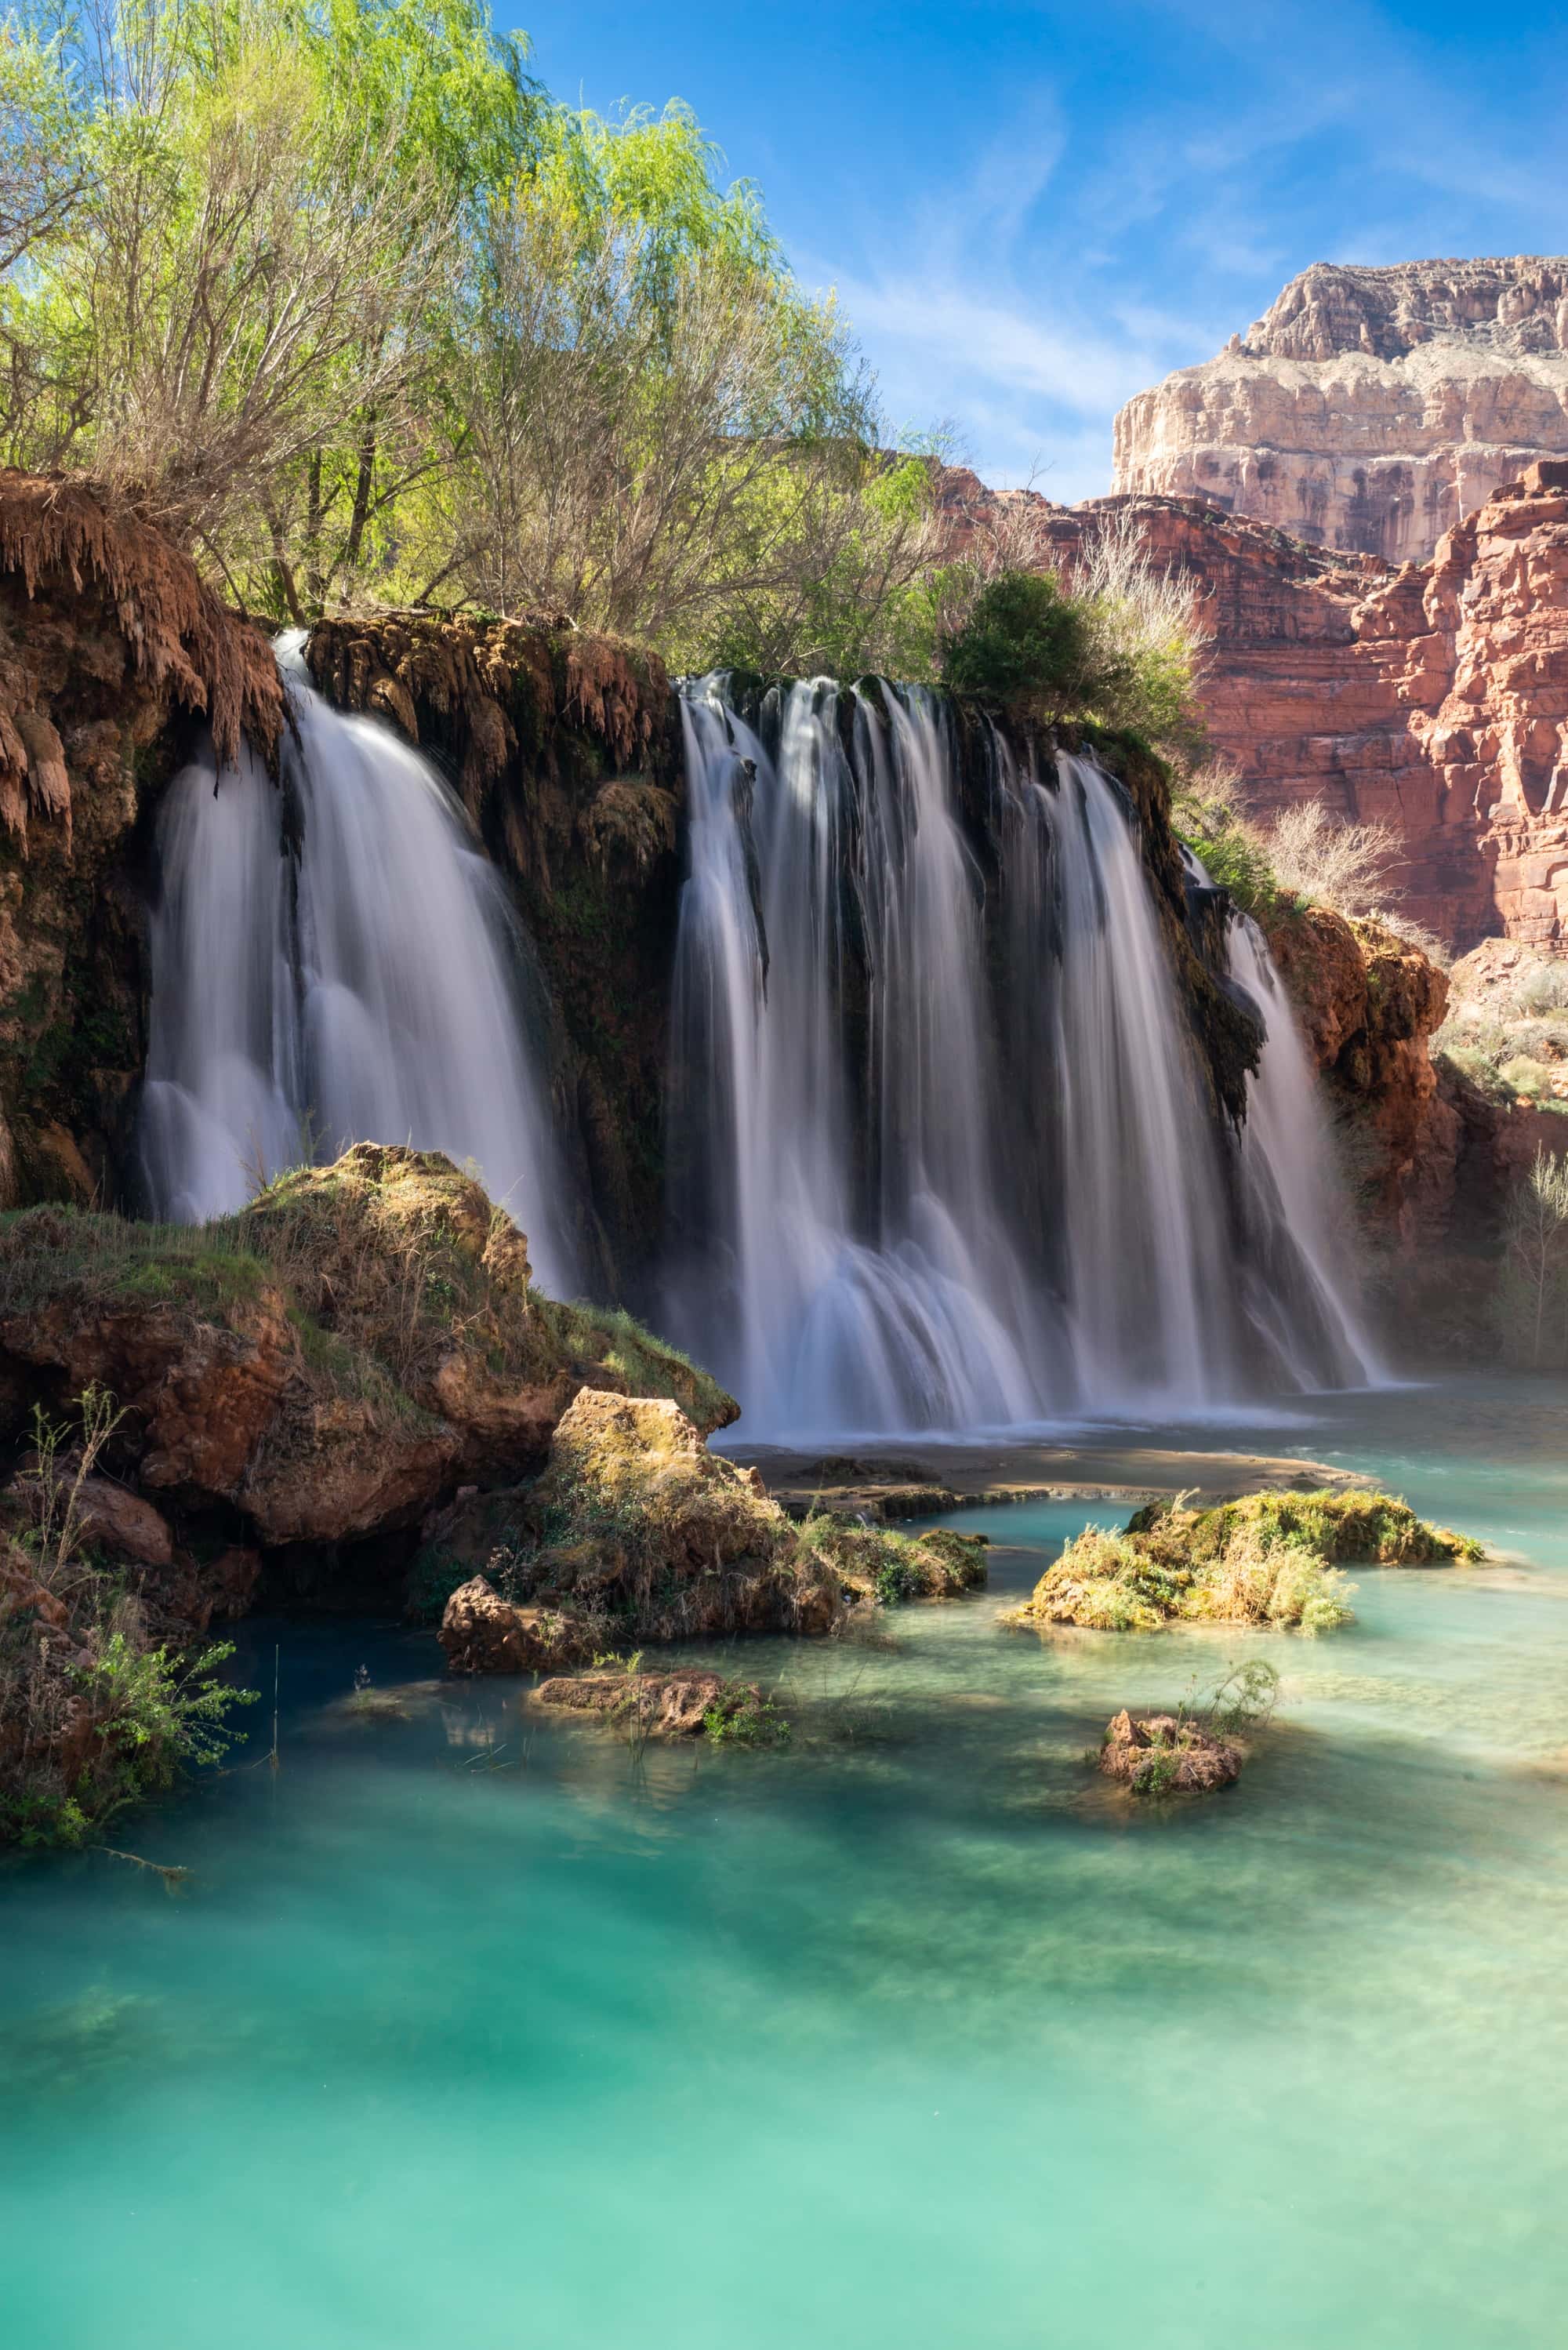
(1267, 1559)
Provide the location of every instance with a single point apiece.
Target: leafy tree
(1025, 644)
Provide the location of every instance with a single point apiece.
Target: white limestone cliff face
(1370, 409)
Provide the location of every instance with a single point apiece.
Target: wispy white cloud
(997, 339)
(1076, 255)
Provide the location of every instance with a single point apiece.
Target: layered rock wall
(1433, 698)
(1369, 410)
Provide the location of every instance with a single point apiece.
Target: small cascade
(1147, 1273)
(335, 961)
(1299, 1291)
(942, 1155)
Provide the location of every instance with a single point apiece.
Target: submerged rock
(1155, 1753)
(680, 1704)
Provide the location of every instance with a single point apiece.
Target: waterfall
(941, 1154)
(1299, 1294)
(865, 1278)
(1148, 1264)
(335, 961)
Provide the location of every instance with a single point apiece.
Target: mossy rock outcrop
(1267, 1559)
(636, 1532)
(688, 1703)
(327, 1365)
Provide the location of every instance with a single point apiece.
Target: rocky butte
(1370, 409)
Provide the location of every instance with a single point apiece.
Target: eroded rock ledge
(113, 653)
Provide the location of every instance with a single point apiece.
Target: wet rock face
(112, 652)
(1370, 409)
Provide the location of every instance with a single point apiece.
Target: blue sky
(1030, 212)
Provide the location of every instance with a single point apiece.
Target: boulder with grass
(1164, 1753)
(636, 1532)
(332, 1362)
(1266, 1559)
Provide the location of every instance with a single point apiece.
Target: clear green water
(468, 2033)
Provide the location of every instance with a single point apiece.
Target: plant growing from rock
(94, 1713)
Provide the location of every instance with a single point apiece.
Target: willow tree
(334, 292)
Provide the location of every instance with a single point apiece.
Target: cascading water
(866, 1279)
(332, 962)
(1299, 1292)
(941, 1162)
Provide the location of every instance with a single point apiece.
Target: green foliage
(1231, 853)
(1266, 1559)
(1244, 1702)
(332, 290)
(155, 1713)
(742, 1716)
(1024, 645)
(96, 1715)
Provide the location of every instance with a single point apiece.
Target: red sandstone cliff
(1433, 699)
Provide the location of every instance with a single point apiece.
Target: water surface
(473, 2028)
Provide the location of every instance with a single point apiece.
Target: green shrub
(741, 1716)
(1024, 645)
(1230, 852)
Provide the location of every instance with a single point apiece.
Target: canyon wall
(1432, 698)
(1370, 409)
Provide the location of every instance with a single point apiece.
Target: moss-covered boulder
(330, 1363)
(636, 1532)
(1264, 1559)
(878, 1565)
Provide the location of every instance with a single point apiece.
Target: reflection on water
(470, 2027)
